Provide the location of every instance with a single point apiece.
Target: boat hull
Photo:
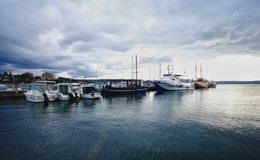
(201, 85)
(212, 86)
(161, 87)
(62, 97)
(90, 96)
(67, 97)
(39, 98)
(123, 91)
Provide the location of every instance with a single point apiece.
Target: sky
(98, 38)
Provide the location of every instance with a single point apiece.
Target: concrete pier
(11, 90)
(11, 93)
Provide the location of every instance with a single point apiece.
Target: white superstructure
(173, 82)
(39, 93)
(89, 92)
(67, 91)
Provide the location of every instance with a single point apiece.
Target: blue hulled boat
(126, 86)
(212, 84)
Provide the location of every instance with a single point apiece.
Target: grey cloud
(155, 60)
(78, 37)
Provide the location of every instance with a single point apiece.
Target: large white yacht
(173, 82)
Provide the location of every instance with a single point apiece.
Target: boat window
(43, 87)
(64, 89)
(142, 83)
(37, 87)
(88, 89)
(123, 84)
(138, 83)
(55, 88)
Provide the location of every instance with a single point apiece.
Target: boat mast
(149, 73)
(136, 66)
(200, 70)
(160, 70)
(132, 67)
(195, 70)
(96, 77)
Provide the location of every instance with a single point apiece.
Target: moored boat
(126, 86)
(201, 83)
(173, 82)
(212, 84)
(67, 91)
(38, 93)
(89, 92)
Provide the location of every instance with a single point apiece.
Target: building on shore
(6, 78)
(48, 76)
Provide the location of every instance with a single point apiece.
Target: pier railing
(12, 90)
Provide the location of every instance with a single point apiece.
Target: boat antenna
(149, 73)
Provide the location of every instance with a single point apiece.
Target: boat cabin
(132, 83)
(37, 87)
(65, 88)
(89, 89)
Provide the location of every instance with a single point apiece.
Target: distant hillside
(238, 82)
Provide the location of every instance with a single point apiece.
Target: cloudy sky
(76, 38)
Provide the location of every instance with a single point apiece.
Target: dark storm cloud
(35, 33)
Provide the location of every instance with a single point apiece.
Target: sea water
(217, 123)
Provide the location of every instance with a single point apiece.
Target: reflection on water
(221, 123)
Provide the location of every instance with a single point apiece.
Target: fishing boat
(126, 86)
(38, 93)
(212, 84)
(173, 82)
(67, 91)
(201, 83)
(89, 92)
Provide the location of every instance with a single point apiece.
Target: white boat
(67, 91)
(173, 82)
(89, 92)
(38, 93)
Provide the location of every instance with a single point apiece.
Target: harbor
(191, 124)
(45, 90)
(129, 80)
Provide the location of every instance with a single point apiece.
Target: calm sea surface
(220, 123)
